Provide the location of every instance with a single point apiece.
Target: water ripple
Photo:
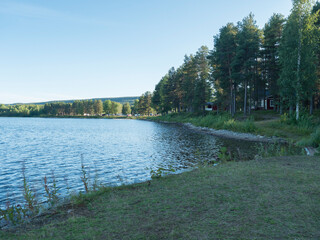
(115, 150)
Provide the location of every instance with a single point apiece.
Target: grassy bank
(222, 121)
(275, 198)
(266, 123)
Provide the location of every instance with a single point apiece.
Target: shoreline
(310, 151)
(235, 135)
(227, 133)
(208, 197)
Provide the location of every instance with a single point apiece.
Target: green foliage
(107, 105)
(305, 122)
(313, 140)
(224, 155)
(221, 59)
(220, 121)
(277, 150)
(160, 172)
(271, 66)
(245, 63)
(144, 105)
(76, 108)
(187, 88)
(98, 107)
(21, 110)
(84, 176)
(126, 109)
(14, 214)
(246, 126)
(51, 191)
(28, 194)
(298, 55)
(96, 183)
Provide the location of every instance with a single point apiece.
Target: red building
(267, 103)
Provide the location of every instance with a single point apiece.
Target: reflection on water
(114, 149)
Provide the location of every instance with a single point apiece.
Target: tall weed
(276, 150)
(28, 194)
(51, 191)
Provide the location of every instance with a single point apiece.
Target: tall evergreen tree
(270, 53)
(190, 75)
(245, 61)
(159, 96)
(202, 85)
(221, 59)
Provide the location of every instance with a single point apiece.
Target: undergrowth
(212, 120)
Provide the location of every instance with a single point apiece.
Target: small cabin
(268, 103)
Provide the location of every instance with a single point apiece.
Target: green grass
(211, 120)
(304, 132)
(283, 130)
(313, 140)
(274, 198)
(266, 123)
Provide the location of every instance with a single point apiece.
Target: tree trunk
(231, 101)
(264, 99)
(297, 110)
(250, 97)
(231, 91)
(311, 104)
(245, 99)
(298, 72)
(234, 99)
(290, 109)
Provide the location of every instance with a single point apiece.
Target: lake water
(117, 151)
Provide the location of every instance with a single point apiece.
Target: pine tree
(221, 59)
(202, 84)
(245, 61)
(270, 53)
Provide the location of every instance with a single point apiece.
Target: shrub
(313, 140)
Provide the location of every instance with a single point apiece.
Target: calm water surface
(117, 151)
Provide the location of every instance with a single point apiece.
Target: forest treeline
(247, 65)
(141, 106)
(77, 108)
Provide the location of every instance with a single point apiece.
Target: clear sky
(76, 49)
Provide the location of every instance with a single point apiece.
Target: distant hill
(121, 100)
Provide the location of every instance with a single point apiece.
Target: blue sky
(76, 49)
